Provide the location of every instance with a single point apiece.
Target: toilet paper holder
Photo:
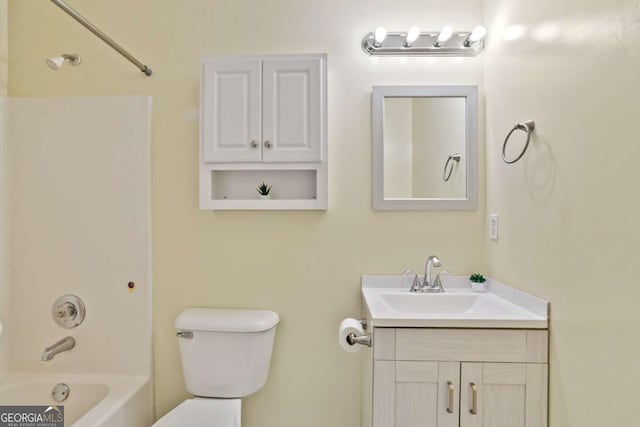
(363, 322)
(353, 339)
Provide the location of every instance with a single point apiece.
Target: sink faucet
(428, 285)
(65, 344)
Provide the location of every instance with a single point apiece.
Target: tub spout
(65, 344)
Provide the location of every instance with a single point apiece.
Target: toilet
(225, 356)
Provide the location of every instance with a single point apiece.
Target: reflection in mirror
(424, 147)
(422, 135)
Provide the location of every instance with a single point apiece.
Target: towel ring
(528, 127)
(452, 158)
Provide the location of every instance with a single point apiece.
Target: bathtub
(93, 401)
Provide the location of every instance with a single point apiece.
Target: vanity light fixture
(379, 36)
(412, 36)
(476, 35)
(445, 34)
(445, 42)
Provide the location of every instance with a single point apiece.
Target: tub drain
(60, 392)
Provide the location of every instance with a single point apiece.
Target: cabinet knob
(267, 144)
(254, 144)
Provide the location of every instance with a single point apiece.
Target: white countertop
(390, 304)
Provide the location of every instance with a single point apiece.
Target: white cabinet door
(293, 109)
(230, 118)
(415, 394)
(503, 395)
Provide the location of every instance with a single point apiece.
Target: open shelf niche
(293, 187)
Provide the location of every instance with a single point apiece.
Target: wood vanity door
(416, 394)
(503, 395)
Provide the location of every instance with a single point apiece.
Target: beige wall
(4, 47)
(304, 265)
(570, 210)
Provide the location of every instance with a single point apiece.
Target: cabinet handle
(450, 403)
(267, 144)
(474, 399)
(254, 144)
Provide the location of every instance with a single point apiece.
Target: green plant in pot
(264, 191)
(477, 282)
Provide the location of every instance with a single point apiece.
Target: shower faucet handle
(66, 310)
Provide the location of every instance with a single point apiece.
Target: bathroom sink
(460, 303)
(390, 304)
(431, 303)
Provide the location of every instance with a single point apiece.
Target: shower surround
(77, 200)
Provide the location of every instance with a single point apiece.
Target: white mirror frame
(470, 93)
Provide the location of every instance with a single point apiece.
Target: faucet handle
(66, 310)
(438, 282)
(407, 273)
(415, 285)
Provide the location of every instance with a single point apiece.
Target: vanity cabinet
(424, 377)
(263, 119)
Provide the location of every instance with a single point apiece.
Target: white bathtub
(94, 400)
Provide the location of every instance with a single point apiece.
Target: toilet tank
(225, 353)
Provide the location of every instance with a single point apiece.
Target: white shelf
(267, 205)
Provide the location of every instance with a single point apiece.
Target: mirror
(425, 148)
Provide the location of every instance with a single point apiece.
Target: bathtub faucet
(65, 344)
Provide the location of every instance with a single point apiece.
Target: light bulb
(477, 34)
(445, 34)
(412, 36)
(380, 35)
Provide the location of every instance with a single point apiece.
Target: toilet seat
(203, 412)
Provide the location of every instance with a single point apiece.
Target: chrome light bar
(459, 43)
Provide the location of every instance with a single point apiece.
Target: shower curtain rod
(102, 36)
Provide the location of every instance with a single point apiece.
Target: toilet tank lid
(226, 320)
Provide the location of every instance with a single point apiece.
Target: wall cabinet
(263, 118)
(459, 378)
(262, 110)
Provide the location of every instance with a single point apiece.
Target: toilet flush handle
(184, 334)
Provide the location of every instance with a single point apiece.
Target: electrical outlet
(494, 226)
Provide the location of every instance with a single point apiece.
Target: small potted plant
(477, 282)
(264, 191)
